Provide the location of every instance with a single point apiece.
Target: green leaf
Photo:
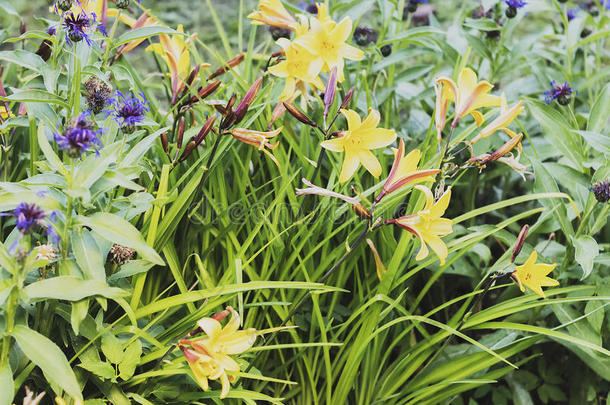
(99, 368)
(482, 24)
(598, 119)
(546, 183)
(115, 229)
(7, 261)
(46, 355)
(128, 365)
(596, 315)
(130, 268)
(138, 151)
(79, 312)
(36, 96)
(70, 289)
(586, 251)
(597, 140)
(144, 32)
(7, 384)
(52, 158)
(94, 166)
(88, 255)
(112, 348)
(9, 9)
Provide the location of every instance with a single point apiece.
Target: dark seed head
(585, 33)
(511, 12)
(279, 32)
(121, 254)
(98, 94)
(601, 191)
(386, 50)
(122, 3)
(364, 36)
(64, 5)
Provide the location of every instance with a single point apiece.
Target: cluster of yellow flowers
(209, 357)
(319, 45)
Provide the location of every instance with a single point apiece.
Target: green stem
(9, 316)
(110, 38)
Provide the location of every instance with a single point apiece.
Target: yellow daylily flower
(144, 20)
(174, 51)
(300, 64)
(272, 12)
(404, 171)
(326, 40)
(469, 95)
(357, 142)
(258, 139)
(534, 275)
(210, 357)
(5, 114)
(506, 116)
(428, 224)
(440, 113)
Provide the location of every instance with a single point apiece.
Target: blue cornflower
(515, 3)
(28, 217)
(560, 92)
(605, 4)
(411, 6)
(79, 137)
(128, 109)
(309, 6)
(572, 13)
(78, 27)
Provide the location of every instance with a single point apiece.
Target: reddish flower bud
(329, 92)
(228, 66)
(180, 132)
(164, 143)
(205, 130)
(187, 151)
(347, 99)
(299, 115)
(242, 107)
(519, 243)
(205, 91)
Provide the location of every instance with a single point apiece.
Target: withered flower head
(121, 254)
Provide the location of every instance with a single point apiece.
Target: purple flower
(79, 137)
(601, 190)
(605, 4)
(309, 6)
(560, 92)
(572, 13)
(28, 217)
(515, 3)
(128, 109)
(78, 27)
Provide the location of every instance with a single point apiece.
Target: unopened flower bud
(205, 91)
(180, 132)
(511, 12)
(299, 115)
(187, 151)
(386, 50)
(329, 92)
(242, 107)
(98, 94)
(361, 211)
(164, 142)
(122, 3)
(519, 243)
(347, 99)
(228, 66)
(64, 5)
(601, 191)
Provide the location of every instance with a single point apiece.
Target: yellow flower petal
(370, 162)
(350, 165)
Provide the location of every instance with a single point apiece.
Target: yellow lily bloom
(428, 224)
(143, 21)
(206, 368)
(174, 51)
(507, 115)
(357, 142)
(258, 139)
(404, 171)
(469, 95)
(440, 113)
(272, 12)
(5, 114)
(326, 40)
(534, 275)
(300, 64)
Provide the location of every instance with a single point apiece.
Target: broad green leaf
(596, 315)
(51, 360)
(100, 368)
(7, 261)
(7, 384)
(79, 312)
(36, 96)
(70, 289)
(128, 365)
(586, 251)
(130, 268)
(140, 149)
(117, 230)
(144, 32)
(112, 348)
(598, 119)
(6, 6)
(48, 152)
(597, 140)
(94, 166)
(88, 255)
(546, 183)
(482, 24)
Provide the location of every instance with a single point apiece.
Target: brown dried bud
(193, 75)
(164, 142)
(22, 27)
(329, 92)
(205, 91)
(242, 107)
(121, 254)
(347, 99)
(228, 66)
(299, 115)
(506, 148)
(519, 243)
(98, 94)
(205, 130)
(361, 211)
(180, 132)
(187, 151)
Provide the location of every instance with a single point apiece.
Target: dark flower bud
(412, 6)
(585, 33)
(64, 5)
(563, 1)
(122, 3)
(205, 130)
(330, 91)
(98, 94)
(22, 27)
(242, 107)
(511, 12)
(519, 243)
(180, 132)
(361, 211)
(187, 151)
(364, 36)
(121, 254)
(164, 142)
(228, 66)
(386, 50)
(299, 115)
(279, 32)
(206, 91)
(601, 190)
(347, 99)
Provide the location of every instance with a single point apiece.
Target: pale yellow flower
(501, 122)
(357, 142)
(272, 12)
(534, 275)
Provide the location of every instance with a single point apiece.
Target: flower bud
(299, 115)
(242, 107)
(601, 191)
(205, 130)
(180, 132)
(228, 66)
(164, 142)
(98, 94)
(347, 99)
(64, 5)
(329, 92)
(122, 3)
(205, 91)
(386, 50)
(187, 151)
(519, 243)
(121, 254)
